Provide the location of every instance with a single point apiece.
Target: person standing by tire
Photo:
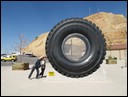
(43, 66)
(36, 66)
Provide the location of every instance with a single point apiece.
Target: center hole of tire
(74, 48)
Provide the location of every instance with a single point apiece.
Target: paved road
(30, 60)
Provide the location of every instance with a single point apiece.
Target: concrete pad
(108, 80)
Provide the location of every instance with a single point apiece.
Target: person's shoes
(29, 78)
(37, 77)
(43, 76)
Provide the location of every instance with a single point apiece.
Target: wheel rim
(76, 52)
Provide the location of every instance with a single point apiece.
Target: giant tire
(96, 49)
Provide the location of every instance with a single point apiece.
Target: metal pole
(71, 47)
(125, 53)
(119, 54)
(89, 11)
(98, 9)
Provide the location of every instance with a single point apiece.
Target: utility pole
(89, 11)
(98, 9)
(126, 11)
(5, 50)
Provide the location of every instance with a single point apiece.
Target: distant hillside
(113, 26)
(37, 46)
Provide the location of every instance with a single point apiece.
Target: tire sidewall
(89, 61)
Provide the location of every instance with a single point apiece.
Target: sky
(32, 18)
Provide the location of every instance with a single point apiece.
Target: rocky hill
(113, 26)
(37, 46)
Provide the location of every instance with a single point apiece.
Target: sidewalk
(107, 80)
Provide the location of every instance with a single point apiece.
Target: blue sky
(32, 18)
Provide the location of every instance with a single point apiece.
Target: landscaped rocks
(20, 66)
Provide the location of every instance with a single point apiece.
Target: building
(119, 51)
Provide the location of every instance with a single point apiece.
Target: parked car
(30, 55)
(8, 58)
(3, 54)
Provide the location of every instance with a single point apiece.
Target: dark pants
(37, 70)
(42, 70)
